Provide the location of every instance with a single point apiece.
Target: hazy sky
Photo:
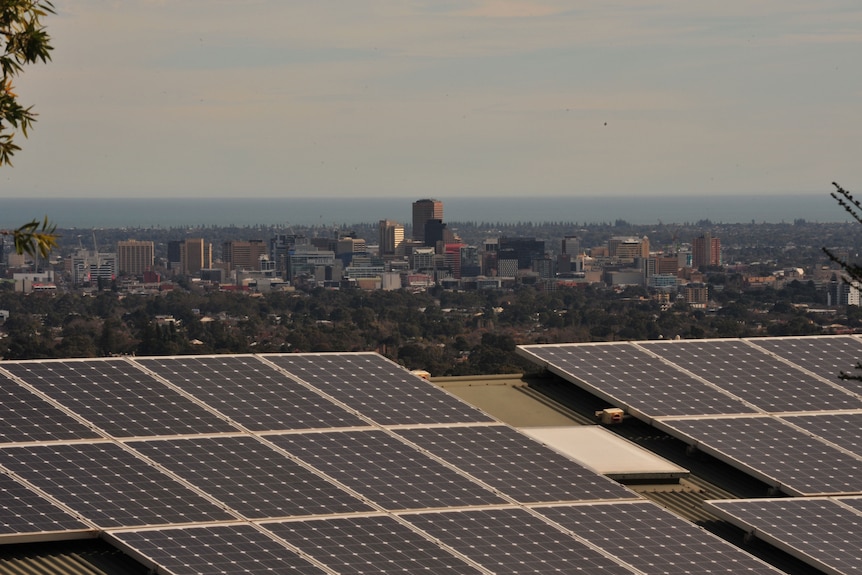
(443, 98)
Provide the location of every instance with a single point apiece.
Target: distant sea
(284, 212)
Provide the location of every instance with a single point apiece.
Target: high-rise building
(390, 239)
(705, 251)
(195, 255)
(243, 255)
(424, 210)
(134, 257)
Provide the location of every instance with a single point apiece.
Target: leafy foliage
(23, 40)
(853, 207)
(34, 238)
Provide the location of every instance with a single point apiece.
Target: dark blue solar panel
(216, 550)
(754, 376)
(370, 545)
(118, 397)
(513, 541)
(250, 477)
(385, 470)
(378, 389)
(515, 465)
(788, 458)
(27, 417)
(654, 540)
(108, 485)
(251, 393)
(25, 511)
(631, 378)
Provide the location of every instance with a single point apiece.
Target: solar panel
(841, 429)
(251, 393)
(754, 376)
(28, 417)
(378, 389)
(118, 398)
(107, 485)
(513, 541)
(822, 531)
(775, 452)
(369, 545)
(631, 378)
(515, 465)
(385, 470)
(654, 540)
(826, 356)
(213, 550)
(25, 512)
(250, 477)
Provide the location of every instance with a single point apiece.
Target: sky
(443, 98)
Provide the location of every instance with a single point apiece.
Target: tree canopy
(23, 40)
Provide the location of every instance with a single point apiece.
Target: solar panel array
(825, 532)
(801, 430)
(320, 463)
(742, 400)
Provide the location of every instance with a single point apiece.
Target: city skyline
(489, 98)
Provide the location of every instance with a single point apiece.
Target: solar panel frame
(108, 485)
(251, 392)
(250, 477)
(819, 531)
(774, 452)
(385, 470)
(371, 544)
(654, 540)
(118, 398)
(753, 375)
(514, 464)
(377, 388)
(629, 377)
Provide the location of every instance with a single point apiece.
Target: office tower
(390, 239)
(523, 250)
(705, 251)
(134, 257)
(628, 247)
(424, 210)
(243, 255)
(571, 245)
(195, 255)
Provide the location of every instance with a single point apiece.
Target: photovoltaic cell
(515, 465)
(25, 511)
(792, 459)
(513, 541)
(250, 477)
(654, 540)
(378, 388)
(826, 534)
(754, 376)
(217, 550)
(827, 356)
(630, 377)
(108, 485)
(385, 470)
(118, 398)
(841, 429)
(27, 417)
(251, 393)
(372, 545)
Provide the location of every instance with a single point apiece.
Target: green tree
(23, 40)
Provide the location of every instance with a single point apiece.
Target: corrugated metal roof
(79, 557)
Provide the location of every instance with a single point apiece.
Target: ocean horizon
(284, 212)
